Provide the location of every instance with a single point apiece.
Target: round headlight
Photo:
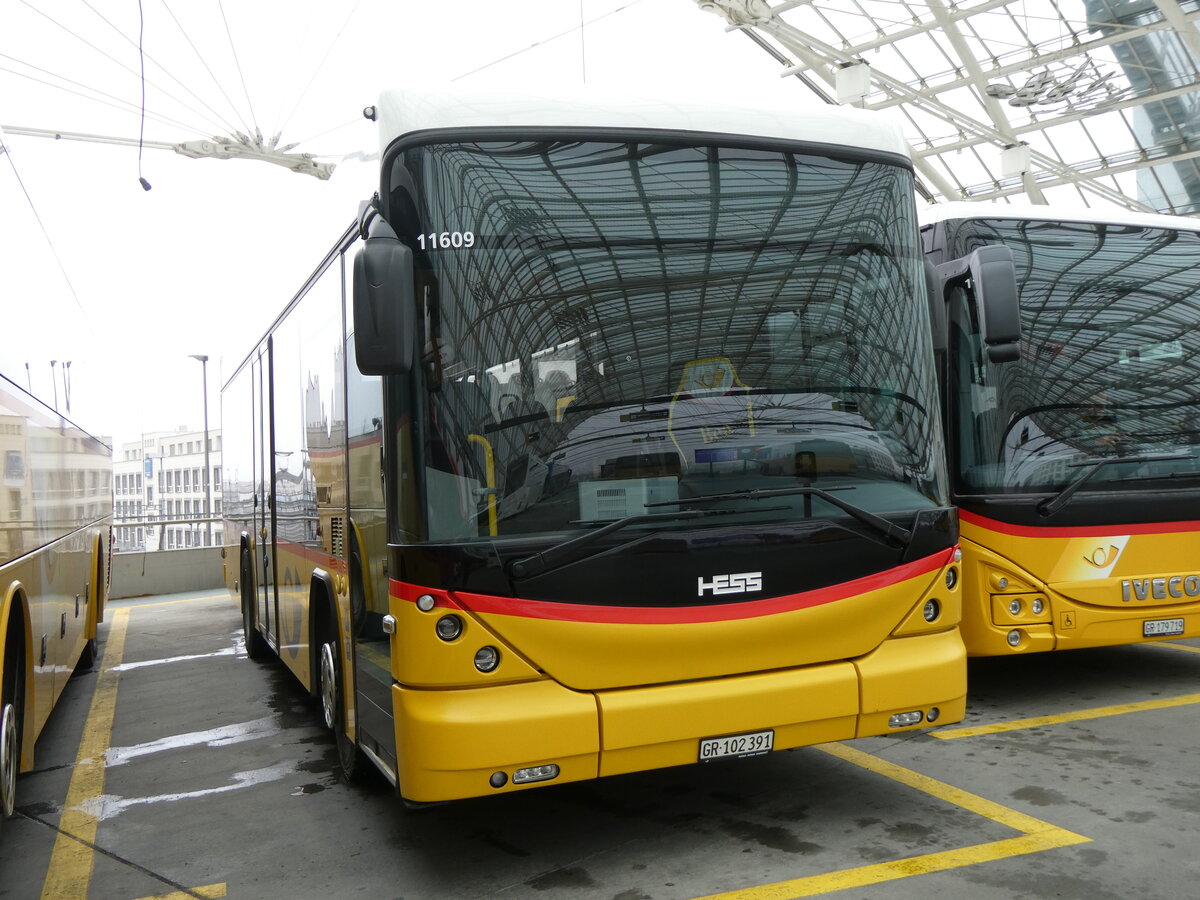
(951, 578)
(1014, 607)
(1003, 583)
(449, 627)
(932, 610)
(1014, 638)
(1038, 606)
(487, 658)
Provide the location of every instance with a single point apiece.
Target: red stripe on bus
(724, 612)
(1079, 530)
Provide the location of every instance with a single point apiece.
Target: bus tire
(12, 715)
(87, 659)
(256, 644)
(352, 760)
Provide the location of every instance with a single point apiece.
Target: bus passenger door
(263, 471)
(368, 563)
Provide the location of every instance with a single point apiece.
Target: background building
(160, 497)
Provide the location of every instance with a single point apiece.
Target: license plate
(1162, 627)
(752, 743)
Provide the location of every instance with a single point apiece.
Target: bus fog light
(932, 610)
(425, 603)
(449, 627)
(1014, 638)
(900, 720)
(933, 715)
(535, 773)
(1038, 606)
(1014, 608)
(951, 578)
(486, 660)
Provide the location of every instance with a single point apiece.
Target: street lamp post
(207, 471)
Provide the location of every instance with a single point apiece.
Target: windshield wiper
(537, 563)
(880, 524)
(1052, 505)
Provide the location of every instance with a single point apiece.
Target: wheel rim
(9, 759)
(329, 686)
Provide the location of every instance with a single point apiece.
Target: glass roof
(1092, 101)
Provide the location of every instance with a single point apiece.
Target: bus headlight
(932, 610)
(951, 578)
(449, 627)
(1014, 638)
(486, 659)
(1014, 608)
(1038, 606)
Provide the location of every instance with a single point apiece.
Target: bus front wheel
(333, 708)
(12, 707)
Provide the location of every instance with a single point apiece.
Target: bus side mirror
(385, 308)
(994, 285)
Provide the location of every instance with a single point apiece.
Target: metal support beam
(237, 147)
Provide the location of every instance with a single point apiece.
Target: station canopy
(1047, 101)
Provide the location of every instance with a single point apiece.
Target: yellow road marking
(1037, 836)
(1171, 645)
(70, 868)
(213, 891)
(70, 871)
(222, 596)
(1078, 715)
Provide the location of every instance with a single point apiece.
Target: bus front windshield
(618, 328)
(1107, 391)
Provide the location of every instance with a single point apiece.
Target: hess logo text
(741, 583)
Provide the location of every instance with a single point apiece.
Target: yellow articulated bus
(619, 448)
(1076, 468)
(55, 516)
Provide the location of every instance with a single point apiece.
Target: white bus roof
(980, 209)
(405, 111)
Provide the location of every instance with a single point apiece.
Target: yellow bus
(606, 440)
(1077, 468)
(55, 515)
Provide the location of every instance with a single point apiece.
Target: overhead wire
(321, 134)
(217, 118)
(96, 96)
(319, 66)
(277, 127)
(45, 233)
(207, 68)
(548, 40)
(97, 49)
(238, 64)
(142, 121)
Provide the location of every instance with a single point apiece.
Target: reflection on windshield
(637, 325)
(1109, 365)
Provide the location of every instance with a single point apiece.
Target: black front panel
(682, 567)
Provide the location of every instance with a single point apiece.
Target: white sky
(127, 283)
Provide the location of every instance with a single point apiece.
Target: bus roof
(981, 209)
(410, 110)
